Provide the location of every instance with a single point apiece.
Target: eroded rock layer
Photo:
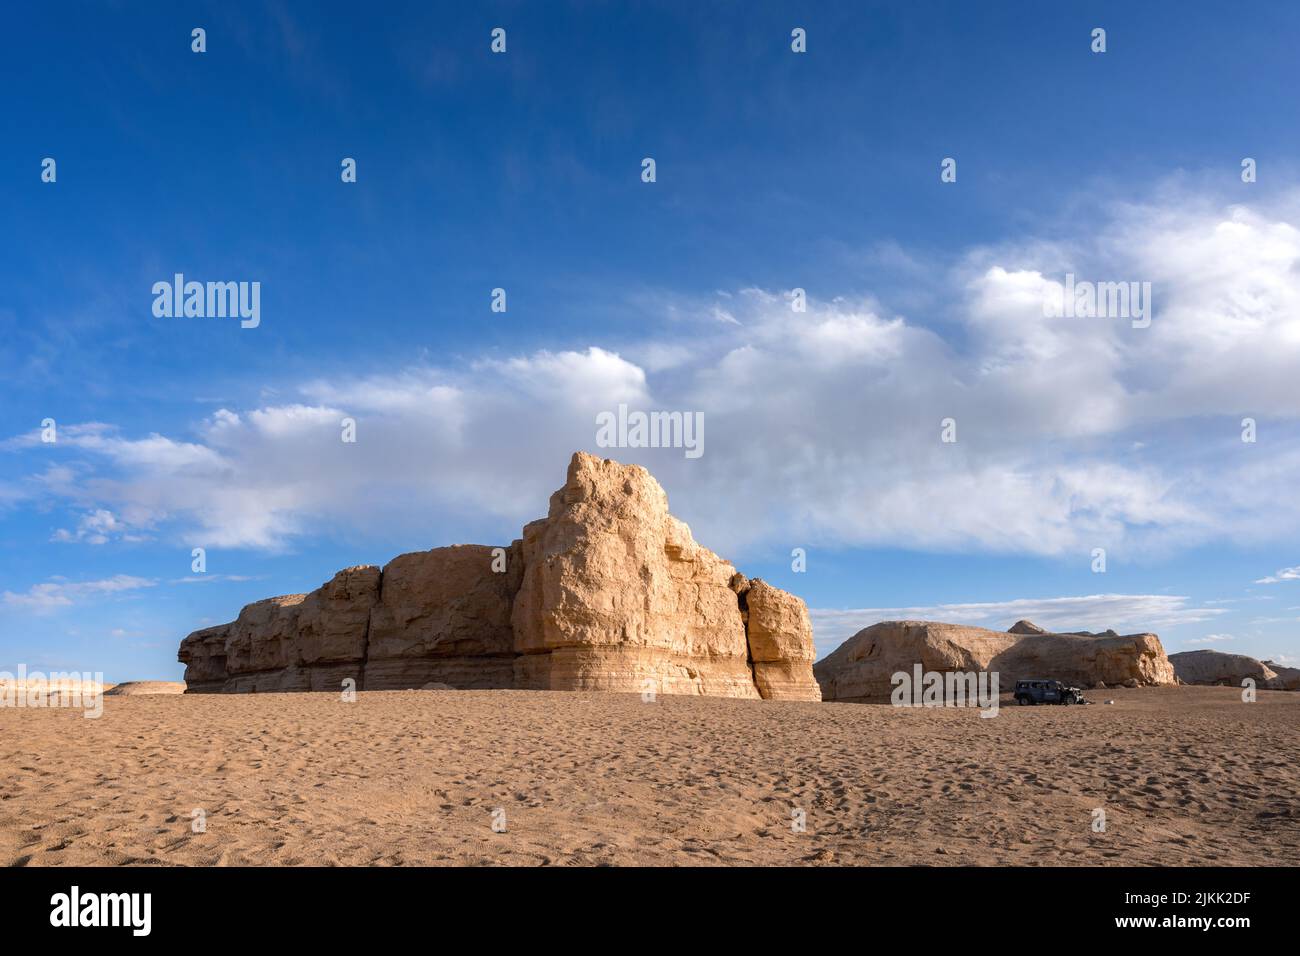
(607, 592)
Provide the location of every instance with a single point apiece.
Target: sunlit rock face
(608, 592)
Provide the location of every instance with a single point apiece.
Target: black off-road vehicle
(1047, 692)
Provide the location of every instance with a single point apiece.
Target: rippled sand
(1187, 775)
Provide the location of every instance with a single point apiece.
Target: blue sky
(775, 170)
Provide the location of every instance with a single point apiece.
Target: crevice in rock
(365, 637)
(740, 584)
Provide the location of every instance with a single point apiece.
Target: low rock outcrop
(1216, 667)
(607, 592)
(1288, 678)
(862, 668)
(143, 688)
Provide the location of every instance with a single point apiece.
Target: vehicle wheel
(1067, 700)
(1023, 701)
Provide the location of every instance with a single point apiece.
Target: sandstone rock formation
(616, 591)
(1216, 667)
(443, 618)
(204, 655)
(607, 592)
(1288, 678)
(139, 688)
(780, 645)
(861, 668)
(301, 641)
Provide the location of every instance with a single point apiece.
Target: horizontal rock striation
(861, 669)
(607, 592)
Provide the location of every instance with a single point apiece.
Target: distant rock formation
(48, 687)
(1216, 667)
(140, 688)
(607, 592)
(860, 669)
(1288, 678)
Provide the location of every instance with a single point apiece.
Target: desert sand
(1186, 775)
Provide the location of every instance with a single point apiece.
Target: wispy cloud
(1284, 574)
(59, 593)
(1211, 639)
(1094, 612)
(213, 578)
(98, 527)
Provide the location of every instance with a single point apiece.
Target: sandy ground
(1186, 775)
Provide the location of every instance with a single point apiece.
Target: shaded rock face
(1288, 678)
(204, 655)
(608, 592)
(862, 667)
(1216, 667)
